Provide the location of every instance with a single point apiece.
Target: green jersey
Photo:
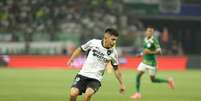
(150, 44)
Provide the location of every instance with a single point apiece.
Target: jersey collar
(149, 40)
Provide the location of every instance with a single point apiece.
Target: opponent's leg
(157, 80)
(137, 95)
(170, 81)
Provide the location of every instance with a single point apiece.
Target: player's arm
(83, 48)
(75, 54)
(139, 54)
(114, 62)
(157, 51)
(118, 75)
(147, 51)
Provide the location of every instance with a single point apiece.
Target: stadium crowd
(27, 19)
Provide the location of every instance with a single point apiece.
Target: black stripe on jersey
(88, 52)
(82, 49)
(115, 67)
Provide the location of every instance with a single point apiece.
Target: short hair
(150, 26)
(112, 31)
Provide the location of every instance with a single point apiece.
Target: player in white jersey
(100, 53)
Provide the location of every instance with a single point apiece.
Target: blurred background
(57, 27)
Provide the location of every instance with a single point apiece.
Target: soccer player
(151, 48)
(100, 53)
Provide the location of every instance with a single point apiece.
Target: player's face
(110, 40)
(149, 32)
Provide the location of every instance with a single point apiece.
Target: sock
(138, 83)
(159, 80)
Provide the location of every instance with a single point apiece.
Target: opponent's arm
(140, 54)
(147, 51)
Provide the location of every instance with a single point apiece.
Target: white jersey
(97, 59)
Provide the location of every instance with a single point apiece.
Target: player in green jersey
(151, 48)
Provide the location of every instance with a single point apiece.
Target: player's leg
(74, 92)
(158, 80)
(171, 83)
(152, 72)
(92, 87)
(88, 94)
(154, 79)
(138, 80)
(140, 71)
(137, 94)
(77, 88)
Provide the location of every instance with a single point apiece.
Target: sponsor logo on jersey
(99, 55)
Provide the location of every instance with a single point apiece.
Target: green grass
(53, 85)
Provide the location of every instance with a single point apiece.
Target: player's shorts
(143, 67)
(82, 83)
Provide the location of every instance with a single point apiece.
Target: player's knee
(74, 92)
(89, 92)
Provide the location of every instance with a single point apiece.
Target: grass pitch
(53, 85)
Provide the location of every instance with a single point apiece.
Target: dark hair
(112, 31)
(150, 26)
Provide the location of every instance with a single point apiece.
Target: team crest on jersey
(109, 52)
(148, 45)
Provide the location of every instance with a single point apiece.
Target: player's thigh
(79, 83)
(94, 85)
(89, 91)
(152, 71)
(141, 67)
(74, 91)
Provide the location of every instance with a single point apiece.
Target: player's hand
(70, 61)
(122, 88)
(138, 55)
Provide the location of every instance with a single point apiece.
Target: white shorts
(143, 67)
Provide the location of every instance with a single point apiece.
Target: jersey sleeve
(87, 46)
(157, 45)
(115, 60)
